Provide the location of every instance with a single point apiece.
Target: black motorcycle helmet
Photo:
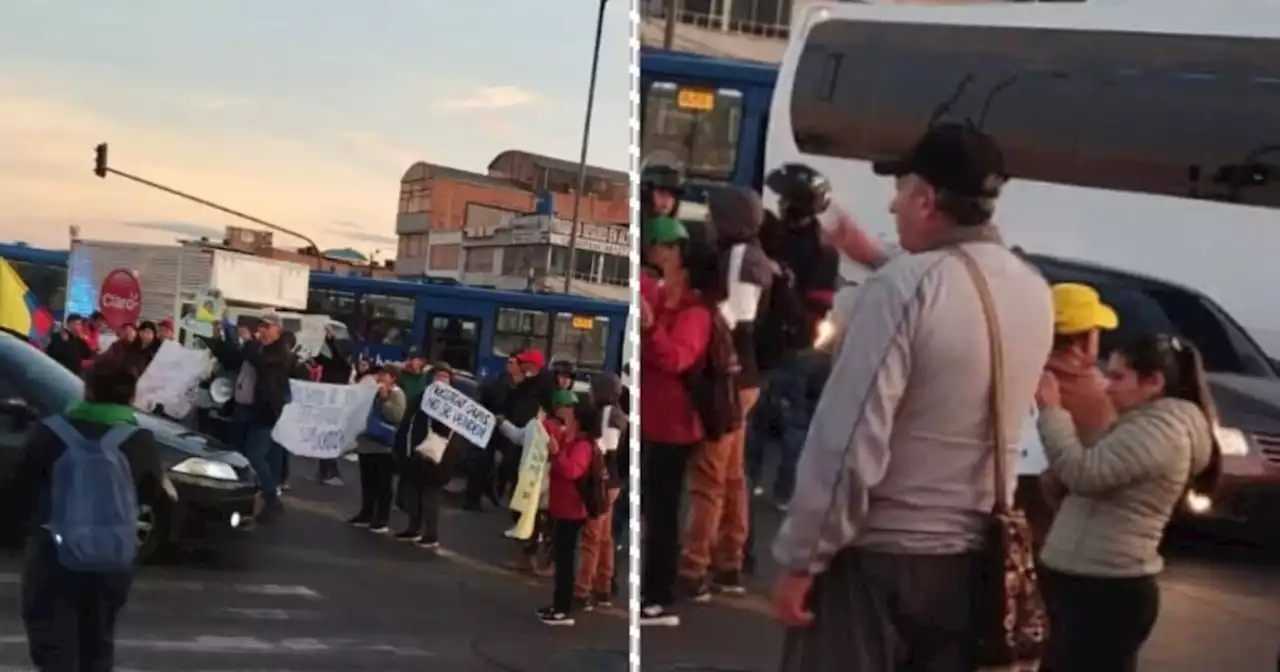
(661, 176)
(802, 190)
(563, 368)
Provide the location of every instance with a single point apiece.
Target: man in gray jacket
(895, 482)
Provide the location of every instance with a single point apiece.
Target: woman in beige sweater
(1099, 564)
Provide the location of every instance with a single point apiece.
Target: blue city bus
(44, 272)
(472, 329)
(707, 115)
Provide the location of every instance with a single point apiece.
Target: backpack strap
(117, 436)
(64, 430)
(72, 438)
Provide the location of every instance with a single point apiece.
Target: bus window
(341, 306)
(386, 320)
(698, 127)
(453, 339)
(516, 329)
(581, 339)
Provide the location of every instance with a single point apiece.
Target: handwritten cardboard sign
(171, 379)
(323, 420)
(464, 415)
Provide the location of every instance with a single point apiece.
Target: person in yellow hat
(1079, 318)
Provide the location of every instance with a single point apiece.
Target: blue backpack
(94, 521)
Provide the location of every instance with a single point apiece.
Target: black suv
(215, 487)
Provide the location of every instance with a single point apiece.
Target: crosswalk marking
(152, 584)
(211, 644)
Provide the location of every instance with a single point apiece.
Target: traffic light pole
(586, 137)
(102, 169)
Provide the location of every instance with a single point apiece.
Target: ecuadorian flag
(19, 309)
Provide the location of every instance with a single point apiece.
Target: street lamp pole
(586, 136)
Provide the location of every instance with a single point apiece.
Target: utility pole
(102, 169)
(586, 137)
(669, 34)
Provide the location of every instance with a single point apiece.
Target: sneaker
(332, 480)
(427, 545)
(379, 528)
(408, 535)
(658, 615)
(550, 616)
(604, 600)
(757, 491)
(729, 583)
(696, 590)
(585, 604)
(359, 521)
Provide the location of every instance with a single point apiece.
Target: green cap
(664, 231)
(564, 398)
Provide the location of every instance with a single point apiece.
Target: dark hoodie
(737, 216)
(606, 391)
(802, 296)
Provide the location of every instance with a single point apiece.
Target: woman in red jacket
(675, 326)
(570, 452)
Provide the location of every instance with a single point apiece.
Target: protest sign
(464, 415)
(209, 310)
(532, 479)
(171, 378)
(322, 420)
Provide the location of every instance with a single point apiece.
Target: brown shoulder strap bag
(1010, 619)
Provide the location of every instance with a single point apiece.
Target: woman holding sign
(377, 465)
(427, 455)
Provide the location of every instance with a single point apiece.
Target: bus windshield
(693, 127)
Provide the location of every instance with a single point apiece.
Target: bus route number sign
(583, 323)
(696, 100)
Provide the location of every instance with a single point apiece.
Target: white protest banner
(173, 374)
(323, 419)
(464, 415)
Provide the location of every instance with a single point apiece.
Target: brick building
(441, 207)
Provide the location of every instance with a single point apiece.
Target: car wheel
(153, 527)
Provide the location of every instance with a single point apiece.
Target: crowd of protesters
(407, 458)
(890, 407)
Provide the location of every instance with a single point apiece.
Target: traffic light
(100, 160)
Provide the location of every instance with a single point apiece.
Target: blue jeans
(254, 442)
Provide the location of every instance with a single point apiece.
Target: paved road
(1220, 611)
(313, 594)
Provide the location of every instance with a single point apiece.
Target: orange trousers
(595, 552)
(716, 532)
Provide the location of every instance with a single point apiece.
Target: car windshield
(32, 376)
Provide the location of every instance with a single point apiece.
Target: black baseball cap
(954, 157)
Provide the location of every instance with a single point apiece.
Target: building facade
(532, 252)
(444, 213)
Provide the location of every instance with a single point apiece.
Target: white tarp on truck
(169, 275)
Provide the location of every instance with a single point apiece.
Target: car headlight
(198, 466)
(1232, 442)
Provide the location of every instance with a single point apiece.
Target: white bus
(1142, 135)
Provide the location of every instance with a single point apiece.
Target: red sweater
(670, 347)
(568, 466)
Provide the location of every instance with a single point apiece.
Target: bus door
(453, 331)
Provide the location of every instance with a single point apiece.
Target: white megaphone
(221, 389)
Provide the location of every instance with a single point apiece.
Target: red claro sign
(120, 300)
